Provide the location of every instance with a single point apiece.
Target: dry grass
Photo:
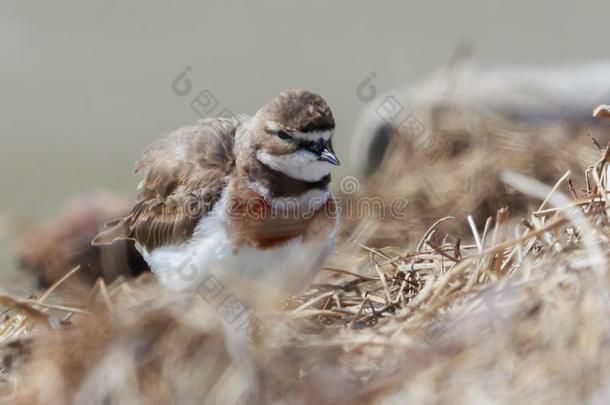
(455, 167)
(520, 314)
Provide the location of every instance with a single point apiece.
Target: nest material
(518, 315)
(50, 249)
(453, 166)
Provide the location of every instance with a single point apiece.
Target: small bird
(241, 199)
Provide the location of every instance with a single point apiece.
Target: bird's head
(292, 134)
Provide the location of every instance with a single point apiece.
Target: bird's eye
(283, 135)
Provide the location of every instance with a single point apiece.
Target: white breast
(209, 257)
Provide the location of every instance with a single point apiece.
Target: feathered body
(240, 198)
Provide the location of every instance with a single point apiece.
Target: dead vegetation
(48, 250)
(454, 164)
(516, 311)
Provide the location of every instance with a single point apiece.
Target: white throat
(301, 165)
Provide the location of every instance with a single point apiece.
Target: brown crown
(301, 110)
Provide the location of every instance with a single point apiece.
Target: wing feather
(183, 177)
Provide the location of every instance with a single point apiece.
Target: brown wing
(183, 177)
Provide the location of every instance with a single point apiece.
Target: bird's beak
(329, 156)
(326, 153)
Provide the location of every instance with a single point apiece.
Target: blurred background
(85, 86)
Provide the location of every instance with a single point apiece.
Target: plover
(242, 198)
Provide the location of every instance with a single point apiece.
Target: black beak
(325, 152)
